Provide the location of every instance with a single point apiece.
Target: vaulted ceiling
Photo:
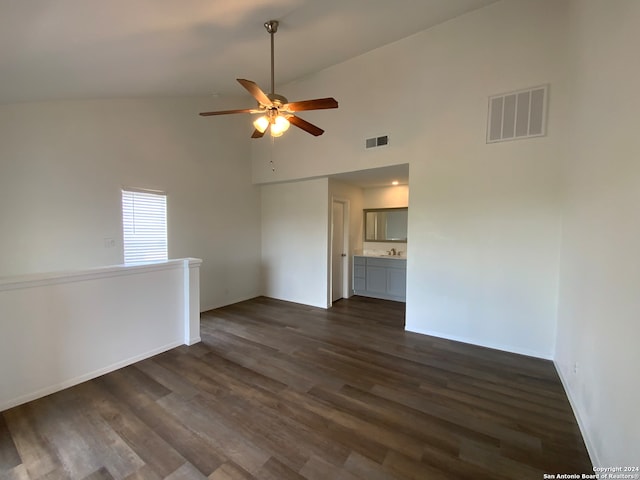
(74, 49)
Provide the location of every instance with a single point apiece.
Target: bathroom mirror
(385, 224)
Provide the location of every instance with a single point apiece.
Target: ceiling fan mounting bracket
(271, 26)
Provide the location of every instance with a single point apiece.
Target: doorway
(339, 249)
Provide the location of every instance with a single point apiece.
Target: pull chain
(273, 146)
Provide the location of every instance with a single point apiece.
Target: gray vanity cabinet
(380, 277)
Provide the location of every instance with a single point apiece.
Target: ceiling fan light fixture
(280, 125)
(261, 123)
(276, 134)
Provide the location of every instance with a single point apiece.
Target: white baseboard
(587, 440)
(83, 378)
(229, 302)
(504, 348)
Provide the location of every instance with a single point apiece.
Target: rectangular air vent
(377, 141)
(516, 115)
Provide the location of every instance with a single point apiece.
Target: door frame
(346, 217)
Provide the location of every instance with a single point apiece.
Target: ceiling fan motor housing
(277, 100)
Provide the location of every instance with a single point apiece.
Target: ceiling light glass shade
(261, 123)
(280, 125)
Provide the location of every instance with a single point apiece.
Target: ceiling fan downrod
(272, 28)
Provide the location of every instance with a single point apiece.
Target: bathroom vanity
(380, 277)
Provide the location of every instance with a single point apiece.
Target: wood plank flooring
(280, 391)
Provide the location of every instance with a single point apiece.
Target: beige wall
(597, 343)
(62, 165)
(295, 241)
(386, 197)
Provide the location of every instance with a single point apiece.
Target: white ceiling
(74, 49)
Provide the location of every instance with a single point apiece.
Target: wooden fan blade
(317, 104)
(255, 91)
(306, 126)
(226, 112)
(257, 134)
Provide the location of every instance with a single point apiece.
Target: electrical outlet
(109, 242)
(575, 368)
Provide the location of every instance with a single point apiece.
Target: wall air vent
(517, 115)
(377, 142)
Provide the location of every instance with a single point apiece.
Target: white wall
(62, 166)
(295, 241)
(386, 197)
(58, 330)
(598, 327)
(484, 221)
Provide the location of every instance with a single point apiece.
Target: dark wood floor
(281, 391)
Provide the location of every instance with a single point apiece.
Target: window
(144, 226)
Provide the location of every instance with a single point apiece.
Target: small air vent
(377, 141)
(516, 115)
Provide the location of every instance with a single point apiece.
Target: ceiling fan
(277, 112)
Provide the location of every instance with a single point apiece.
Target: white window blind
(144, 225)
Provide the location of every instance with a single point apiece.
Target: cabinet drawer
(357, 260)
(386, 262)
